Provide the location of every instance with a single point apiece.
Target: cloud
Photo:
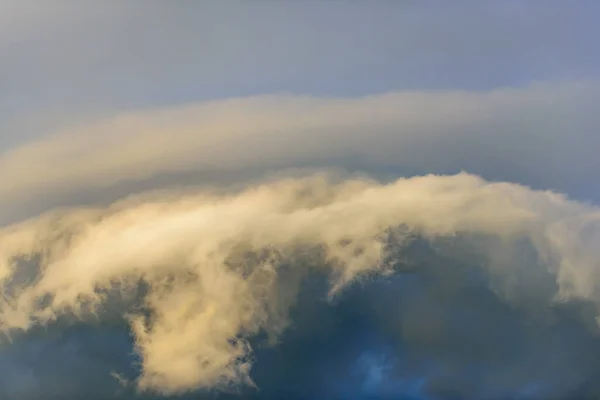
(195, 232)
(65, 363)
(150, 246)
(542, 135)
(199, 276)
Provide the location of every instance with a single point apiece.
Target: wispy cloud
(542, 135)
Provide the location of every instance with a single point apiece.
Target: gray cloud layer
(542, 135)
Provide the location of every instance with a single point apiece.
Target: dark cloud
(433, 330)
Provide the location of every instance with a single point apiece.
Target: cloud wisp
(197, 276)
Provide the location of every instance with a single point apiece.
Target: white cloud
(207, 294)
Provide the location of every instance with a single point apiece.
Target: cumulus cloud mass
(299, 200)
(197, 276)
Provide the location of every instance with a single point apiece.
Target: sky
(299, 199)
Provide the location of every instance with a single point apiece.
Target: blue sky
(155, 101)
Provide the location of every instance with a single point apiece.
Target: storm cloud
(197, 277)
(299, 200)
